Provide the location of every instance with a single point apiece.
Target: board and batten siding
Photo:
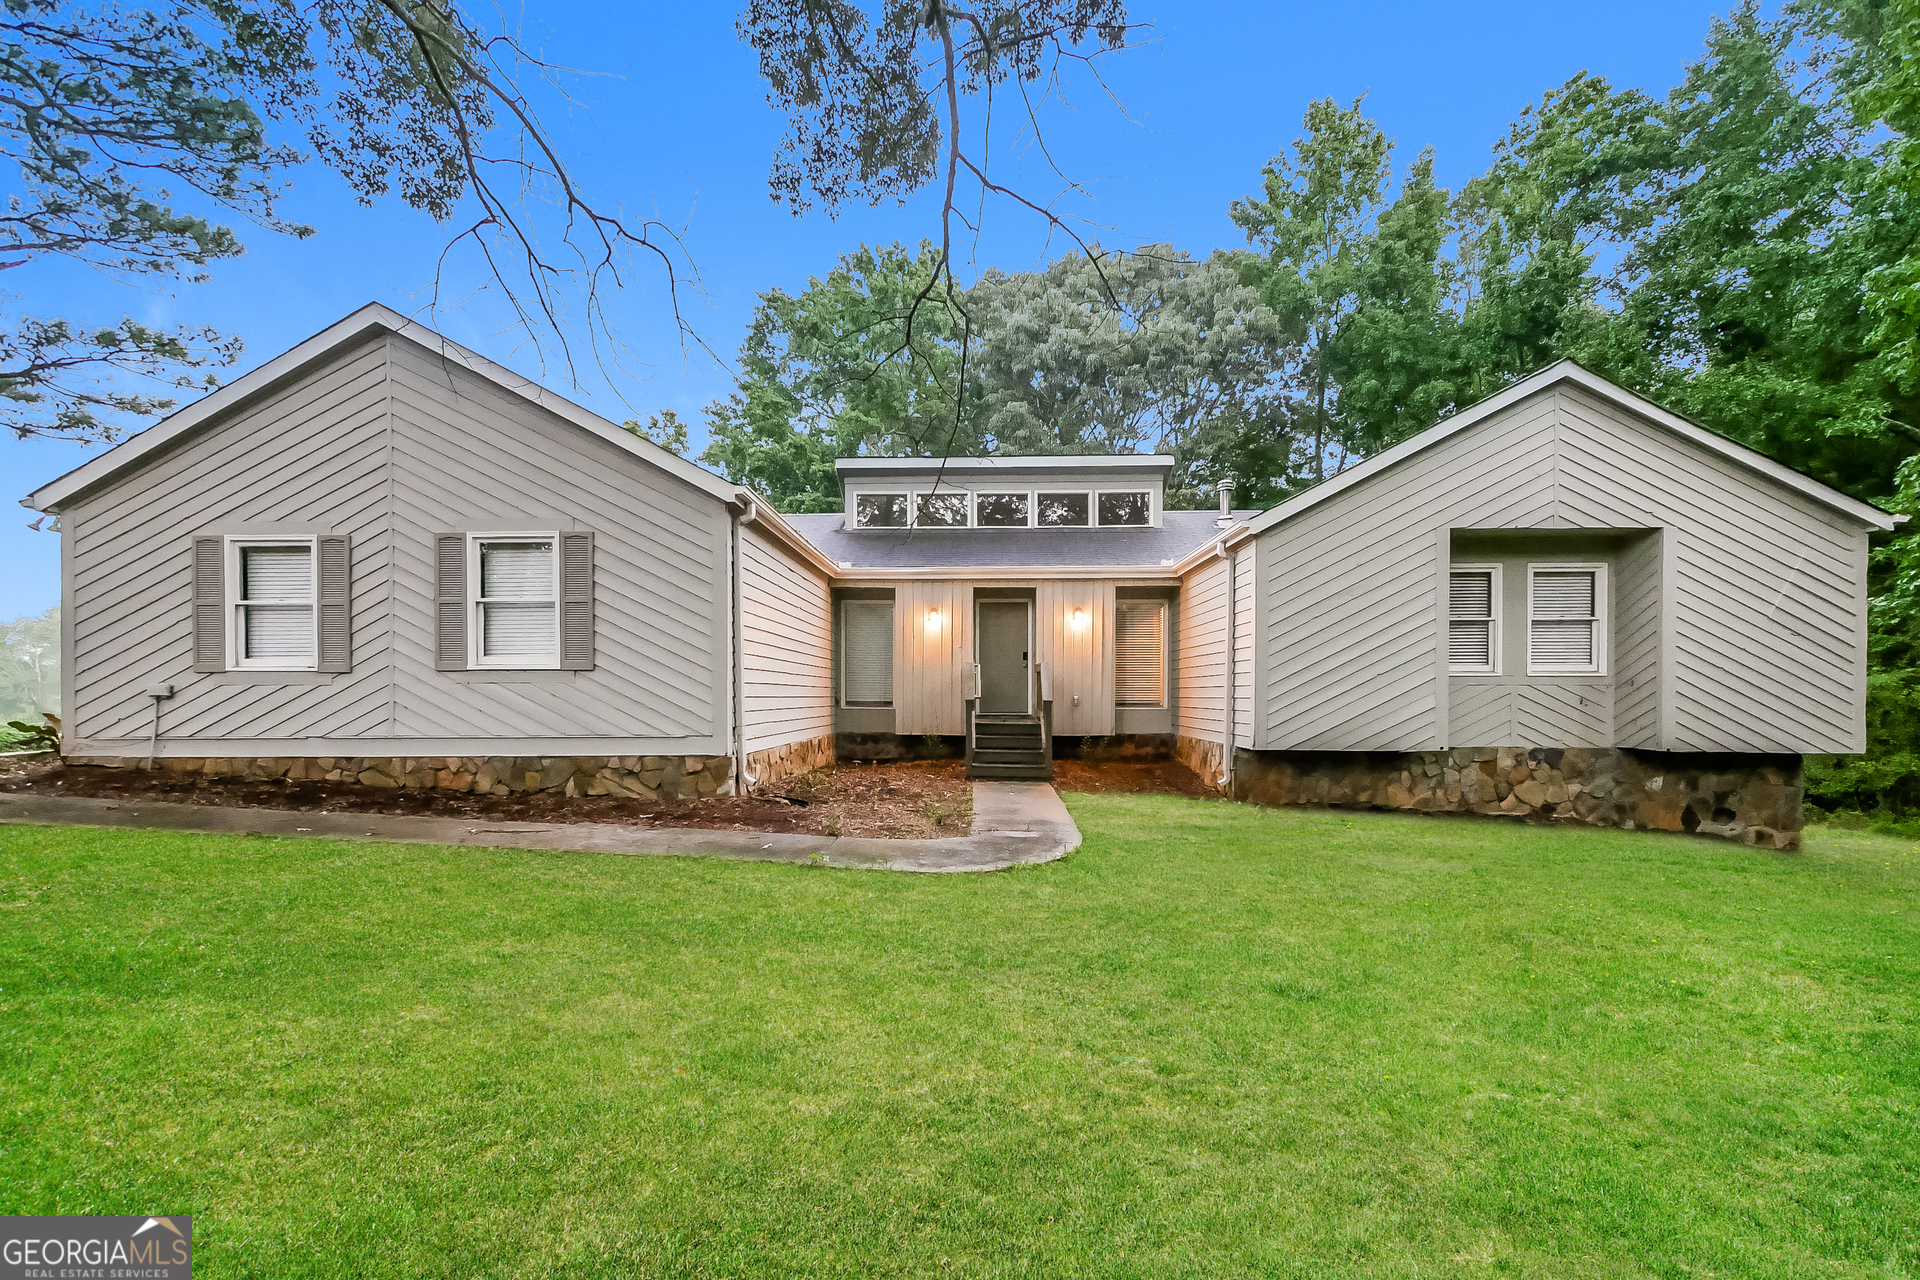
(390, 444)
(1080, 662)
(786, 643)
(1761, 609)
(929, 667)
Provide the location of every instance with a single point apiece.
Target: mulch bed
(903, 800)
(1161, 777)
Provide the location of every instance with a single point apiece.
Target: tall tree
(1318, 204)
(1186, 360)
(863, 360)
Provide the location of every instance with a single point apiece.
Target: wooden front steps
(1010, 748)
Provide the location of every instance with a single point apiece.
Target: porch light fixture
(933, 620)
(1079, 619)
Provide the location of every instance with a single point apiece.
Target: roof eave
(1567, 371)
(353, 328)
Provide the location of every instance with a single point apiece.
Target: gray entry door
(1003, 657)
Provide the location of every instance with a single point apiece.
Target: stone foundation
(1201, 756)
(792, 760)
(1755, 799)
(640, 777)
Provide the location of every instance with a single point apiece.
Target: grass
(1216, 1041)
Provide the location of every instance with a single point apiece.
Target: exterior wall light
(1079, 620)
(933, 620)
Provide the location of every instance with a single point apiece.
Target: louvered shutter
(576, 601)
(867, 653)
(209, 604)
(450, 602)
(1564, 621)
(1470, 621)
(335, 598)
(1140, 653)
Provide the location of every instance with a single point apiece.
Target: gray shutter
(450, 602)
(576, 602)
(209, 604)
(335, 597)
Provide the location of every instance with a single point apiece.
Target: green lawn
(1216, 1041)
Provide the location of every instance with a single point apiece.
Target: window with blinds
(273, 626)
(1140, 653)
(866, 653)
(1564, 634)
(1473, 621)
(517, 603)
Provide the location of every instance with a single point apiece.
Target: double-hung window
(1566, 619)
(272, 587)
(1473, 620)
(1140, 653)
(515, 595)
(866, 653)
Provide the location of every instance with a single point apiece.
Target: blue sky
(678, 125)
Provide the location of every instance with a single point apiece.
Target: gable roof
(210, 409)
(1566, 371)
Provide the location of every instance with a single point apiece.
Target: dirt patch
(894, 801)
(1162, 777)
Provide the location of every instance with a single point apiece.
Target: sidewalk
(1013, 823)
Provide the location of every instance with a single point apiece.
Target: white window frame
(883, 493)
(1093, 508)
(1033, 506)
(1495, 631)
(913, 508)
(1153, 509)
(236, 630)
(476, 617)
(1601, 598)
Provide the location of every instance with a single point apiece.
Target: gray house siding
(390, 445)
(1761, 619)
(786, 636)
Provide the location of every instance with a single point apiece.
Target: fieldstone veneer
(641, 777)
(1754, 799)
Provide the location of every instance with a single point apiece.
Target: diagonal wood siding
(390, 445)
(1761, 590)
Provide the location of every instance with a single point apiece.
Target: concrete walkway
(1013, 823)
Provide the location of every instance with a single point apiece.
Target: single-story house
(383, 556)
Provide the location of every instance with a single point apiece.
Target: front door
(1003, 654)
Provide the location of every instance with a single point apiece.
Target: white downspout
(742, 784)
(1233, 619)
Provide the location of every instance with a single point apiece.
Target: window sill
(511, 675)
(265, 675)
